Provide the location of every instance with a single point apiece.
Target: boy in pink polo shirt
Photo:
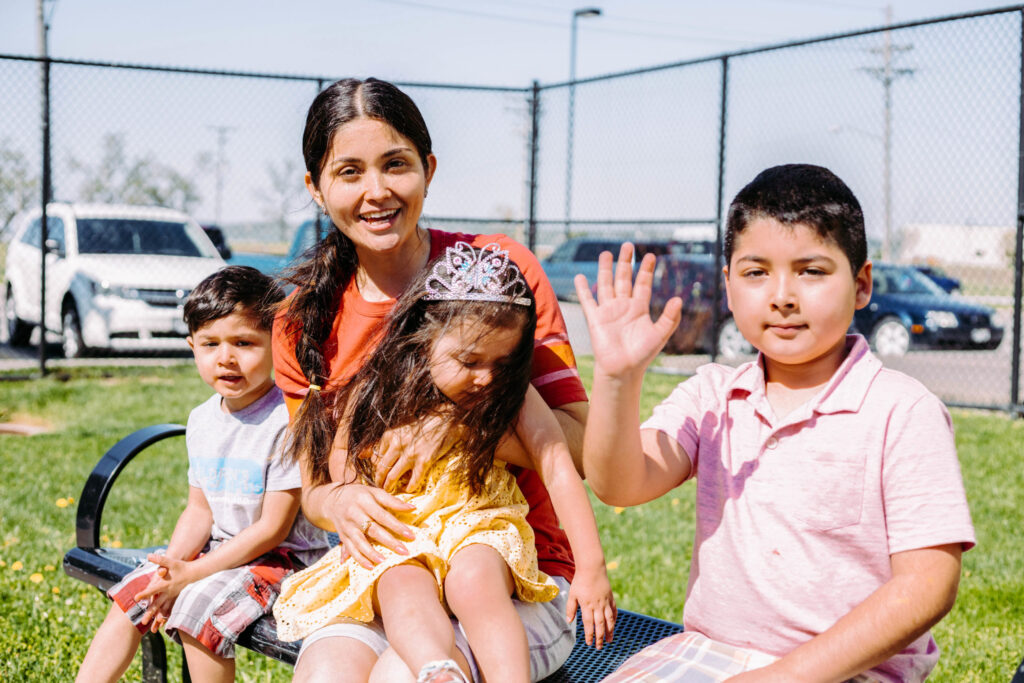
(831, 514)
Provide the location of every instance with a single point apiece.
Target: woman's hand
(361, 515)
(622, 334)
(409, 449)
(592, 592)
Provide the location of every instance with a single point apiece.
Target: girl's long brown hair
(327, 268)
(394, 388)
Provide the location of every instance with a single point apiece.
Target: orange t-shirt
(554, 371)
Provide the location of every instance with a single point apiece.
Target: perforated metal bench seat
(103, 567)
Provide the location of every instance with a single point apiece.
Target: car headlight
(104, 288)
(936, 319)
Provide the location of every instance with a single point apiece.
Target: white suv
(116, 276)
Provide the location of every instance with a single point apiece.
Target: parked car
(908, 310)
(116, 276)
(949, 284)
(305, 237)
(579, 255)
(692, 278)
(216, 236)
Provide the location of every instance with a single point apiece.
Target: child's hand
(168, 581)
(409, 449)
(592, 592)
(622, 334)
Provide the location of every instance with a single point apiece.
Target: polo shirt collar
(845, 392)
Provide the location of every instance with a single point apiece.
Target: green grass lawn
(47, 619)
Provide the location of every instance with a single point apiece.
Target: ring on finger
(366, 526)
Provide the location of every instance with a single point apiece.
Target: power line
(562, 25)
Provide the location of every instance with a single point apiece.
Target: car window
(135, 236)
(590, 251)
(31, 235)
(564, 252)
(55, 231)
(904, 281)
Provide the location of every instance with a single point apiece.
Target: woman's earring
(323, 209)
(425, 191)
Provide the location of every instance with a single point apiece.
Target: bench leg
(154, 659)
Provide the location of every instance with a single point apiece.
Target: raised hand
(622, 334)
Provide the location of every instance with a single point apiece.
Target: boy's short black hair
(801, 194)
(230, 290)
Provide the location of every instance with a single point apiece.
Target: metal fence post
(531, 206)
(44, 227)
(717, 282)
(1015, 408)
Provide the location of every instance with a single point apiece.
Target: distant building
(973, 245)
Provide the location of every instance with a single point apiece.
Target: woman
(369, 164)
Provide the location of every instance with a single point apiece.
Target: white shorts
(551, 639)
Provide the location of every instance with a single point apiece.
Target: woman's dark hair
(329, 266)
(395, 387)
(233, 289)
(801, 194)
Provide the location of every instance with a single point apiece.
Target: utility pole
(221, 165)
(886, 74)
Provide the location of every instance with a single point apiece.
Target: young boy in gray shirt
(241, 531)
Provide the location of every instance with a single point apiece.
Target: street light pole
(582, 12)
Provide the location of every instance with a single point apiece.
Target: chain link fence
(922, 120)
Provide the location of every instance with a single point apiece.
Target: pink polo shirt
(797, 517)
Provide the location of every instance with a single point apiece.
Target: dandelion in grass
(49, 568)
(675, 502)
(116, 544)
(55, 590)
(2, 564)
(619, 510)
(612, 566)
(17, 566)
(36, 578)
(62, 502)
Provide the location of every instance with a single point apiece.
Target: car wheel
(18, 331)
(890, 337)
(731, 342)
(71, 334)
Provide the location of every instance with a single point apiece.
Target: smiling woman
(369, 162)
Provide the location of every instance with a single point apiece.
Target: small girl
(456, 351)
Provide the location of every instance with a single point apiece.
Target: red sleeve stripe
(555, 376)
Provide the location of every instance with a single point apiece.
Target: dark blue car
(908, 310)
(948, 283)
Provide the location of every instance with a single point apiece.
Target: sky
(644, 146)
(480, 42)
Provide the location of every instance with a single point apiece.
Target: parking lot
(963, 377)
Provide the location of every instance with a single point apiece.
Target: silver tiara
(468, 274)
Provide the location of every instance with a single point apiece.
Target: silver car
(116, 276)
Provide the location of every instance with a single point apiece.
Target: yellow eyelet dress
(446, 519)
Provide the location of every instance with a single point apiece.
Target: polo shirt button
(772, 442)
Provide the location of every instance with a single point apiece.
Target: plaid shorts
(214, 610)
(690, 657)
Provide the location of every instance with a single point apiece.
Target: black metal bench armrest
(103, 475)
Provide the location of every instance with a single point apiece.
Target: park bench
(103, 567)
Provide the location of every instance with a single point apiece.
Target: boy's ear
(191, 344)
(725, 276)
(864, 285)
